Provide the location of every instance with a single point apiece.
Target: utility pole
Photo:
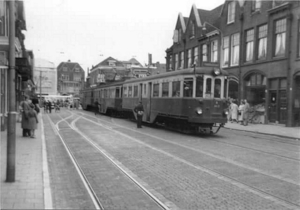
(11, 130)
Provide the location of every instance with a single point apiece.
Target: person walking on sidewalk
(33, 120)
(241, 112)
(246, 112)
(234, 111)
(139, 110)
(24, 109)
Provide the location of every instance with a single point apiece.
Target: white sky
(88, 31)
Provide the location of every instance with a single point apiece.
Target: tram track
(210, 154)
(287, 203)
(126, 172)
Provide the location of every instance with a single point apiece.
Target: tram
(190, 100)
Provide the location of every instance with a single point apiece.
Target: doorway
(273, 106)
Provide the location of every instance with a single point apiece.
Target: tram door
(148, 105)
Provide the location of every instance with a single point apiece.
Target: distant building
(45, 77)
(70, 78)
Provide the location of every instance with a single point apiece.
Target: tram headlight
(199, 111)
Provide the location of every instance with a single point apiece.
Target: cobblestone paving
(113, 188)
(68, 191)
(181, 183)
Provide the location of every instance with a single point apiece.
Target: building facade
(257, 42)
(45, 77)
(23, 59)
(70, 78)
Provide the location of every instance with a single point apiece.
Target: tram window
(225, 88)
(145, 89)
(217, 88)
(117, 92)
(125, 91)
(135, 91)
(105, 93)
(165, 89)
(188, 87)
(155, 90)
(208, 88)
(199, 87)
(130, 91)
(176, 89)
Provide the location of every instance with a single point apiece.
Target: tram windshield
(211, 87)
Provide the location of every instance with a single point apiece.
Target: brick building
(70, 78)
(257, 42)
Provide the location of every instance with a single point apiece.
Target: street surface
(99, 162)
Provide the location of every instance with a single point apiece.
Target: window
(3, 19)
(217, 90)
(192, 35)
(226, 51)
(176, 89)
(199, 87)
(188, 87)
(181, 63)
(130, 91)
(65, 68)
(262, 41)
(165, 89)
(249, 44)
(117, 92)
(195, 59)
(170, 64)
(204, 53)
(280, 36)
(231, 12)
(256, 5)
(235, 49)
(176, 61)
(65, 77)
(208, 88)
(145, 90)
(179, 34)
(135, 91)
(189, 61)
(298, 38)
(155, 90)
(77, 69)
(125, 91)
(214, 51)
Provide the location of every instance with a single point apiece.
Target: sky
(89, 31)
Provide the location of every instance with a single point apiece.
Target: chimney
(149, 59)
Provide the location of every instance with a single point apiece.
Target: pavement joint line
(157, 197)
(87, 185)
(48, 202)
(212, 155)
(218, 175)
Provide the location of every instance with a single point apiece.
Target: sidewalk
(270, 129)
(31, 187)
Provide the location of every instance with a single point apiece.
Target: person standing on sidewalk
(33, 120)
(139, 110)
(241, 112)
(234, 111)
(24, 108)
(246, 112)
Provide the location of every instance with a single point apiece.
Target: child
(33, 120)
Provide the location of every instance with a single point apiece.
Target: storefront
(296, 104)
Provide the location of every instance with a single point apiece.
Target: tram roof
(196, 71)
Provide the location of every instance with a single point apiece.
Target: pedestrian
(241, 112)
(96, 108)
(49, 106)
(24, 108)
(33, 120)
(246, 112)
(139, 110)
(45, 105)
(234, 111)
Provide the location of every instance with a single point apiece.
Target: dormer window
(231, 12)
(112, 63)
(179, 35)
(65, 68)
(192, 30)
(256, 5)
